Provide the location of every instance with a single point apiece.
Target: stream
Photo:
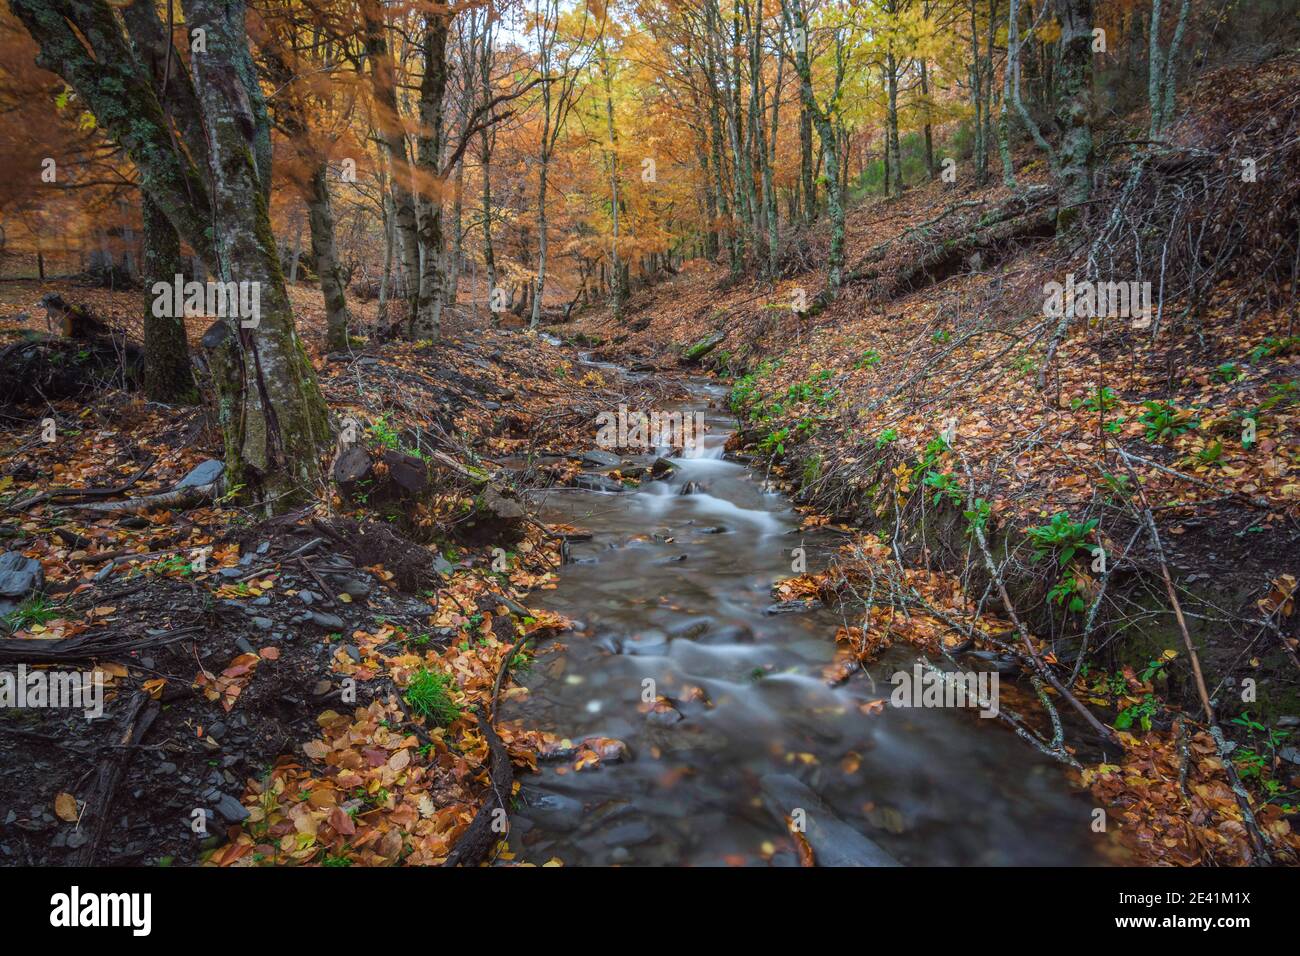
(674, 588)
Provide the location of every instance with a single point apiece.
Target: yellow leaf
(65, 807)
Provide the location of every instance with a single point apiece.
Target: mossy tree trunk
(168, 376)
(823, 120)
(320, 213)
(1074, 109)
(426, 322)
(272, 412)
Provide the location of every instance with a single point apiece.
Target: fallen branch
(84, 647)
(74, 493)
(1243, 799)
(177, 498)
(139, 717)
(473, 847)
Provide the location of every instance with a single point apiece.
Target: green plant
(887, 437)
(1140, 713)
(1156, 667)
(1070, 589)
(869, 359)
(1117, 485)
(774, 441)
(1024, 364)
(384, 434)
(946, 485)
(940, 337)
(429, 695)
(331, 860)
(1061, 535)
(37, 609)
(1257, 756)
(1211, 454)
(812, 470)
(1273, 346)
(1228, 372)
(1102, 401)
(1163, 421)
(977, 518)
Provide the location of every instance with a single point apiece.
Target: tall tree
(1074, 110)
(824, 120)
(272, 413)
(560, 62)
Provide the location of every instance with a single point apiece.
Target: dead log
(477, 841)
(136, 722)
(87, 646)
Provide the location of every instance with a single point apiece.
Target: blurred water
(673, 588)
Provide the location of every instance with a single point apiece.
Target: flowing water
(673, 588)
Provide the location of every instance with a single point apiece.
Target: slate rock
(19, 575)
(204, 473)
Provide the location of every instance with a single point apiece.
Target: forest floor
(910, 410)
(253, 668)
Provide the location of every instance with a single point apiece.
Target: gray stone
(598, 458)
(598, 483)
(204, 473)
(19, 575)
(834, 842)
(354, 588)
(263, 623)
(231, 810)
(331, 622)
(552, 810)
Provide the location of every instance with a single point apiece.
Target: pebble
(331, 622)
(231, 809)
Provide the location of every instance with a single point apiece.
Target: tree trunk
(297, 251)
(929, 128)
(1074, 112)
(616, 296)
(392, 133)
(320, 216)
(457, 239)
(272, 411)
(427, 322)
(168, 376)
(540, 287)
(895, 152)
(822, 120)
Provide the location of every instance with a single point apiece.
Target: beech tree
(203, 152)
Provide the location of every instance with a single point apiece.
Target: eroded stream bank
(674, 588)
